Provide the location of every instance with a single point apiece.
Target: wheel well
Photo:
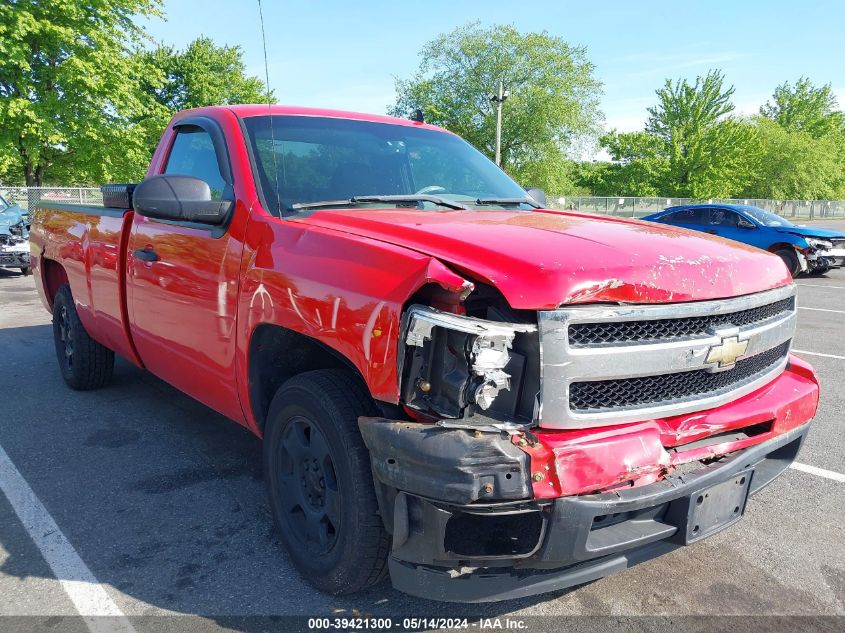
(276, 354)
(54, 276)
(781, 246)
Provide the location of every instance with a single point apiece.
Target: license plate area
(715, 508)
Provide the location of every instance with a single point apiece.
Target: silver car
(14, 237)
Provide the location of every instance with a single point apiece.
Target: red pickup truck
(486, 398)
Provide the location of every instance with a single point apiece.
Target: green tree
(709, 153)
(640, 167)
(553, 97)
(200, 75)
(801, 138)
(795, 165)
(806, 108)
(67, 108)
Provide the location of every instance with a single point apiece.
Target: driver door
(182, 280)
(733, 226)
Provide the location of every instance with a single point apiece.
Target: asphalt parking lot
(162, 501)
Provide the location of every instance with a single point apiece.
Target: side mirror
(538, 195)
(181, 198)
(745, 224)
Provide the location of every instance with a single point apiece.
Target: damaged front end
(467, 369)
(14, 238)
(821, 254)
(547, 449)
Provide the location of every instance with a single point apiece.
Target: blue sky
(344, 54)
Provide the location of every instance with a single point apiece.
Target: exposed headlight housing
(816, 243)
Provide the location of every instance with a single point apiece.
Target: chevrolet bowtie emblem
(726, 352)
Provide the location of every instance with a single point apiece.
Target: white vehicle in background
(14, 237)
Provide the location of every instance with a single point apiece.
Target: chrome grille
(605, 395)
(613, 364)
(587, 334)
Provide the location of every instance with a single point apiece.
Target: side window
(687, 216)
(193, 154)
(724, 217)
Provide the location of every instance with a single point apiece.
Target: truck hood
(542, 259)
(806, 231)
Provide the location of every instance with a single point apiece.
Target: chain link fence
(634, 207)
(630, 207)
(29, 197)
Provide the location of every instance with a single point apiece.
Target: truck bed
(90, 244)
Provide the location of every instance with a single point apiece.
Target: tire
(26, 271)
(85, 364)
(319, 481)
(791, 260)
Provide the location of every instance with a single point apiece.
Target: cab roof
(245, 111)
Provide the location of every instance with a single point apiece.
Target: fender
(344, 291)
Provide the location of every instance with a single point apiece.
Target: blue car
(802, 249)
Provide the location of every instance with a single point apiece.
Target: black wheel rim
(65, 336)
(308, 485)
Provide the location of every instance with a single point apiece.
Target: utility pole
(499, 99)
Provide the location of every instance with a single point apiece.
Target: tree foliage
(700, 140)
(200, 75)
(81, 100)
(803, 107)
(553, 97)
(693, 146)
(794, 165)
(66, 107)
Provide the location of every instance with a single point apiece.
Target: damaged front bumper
(573, 540)
(14, 254)
(472, 516)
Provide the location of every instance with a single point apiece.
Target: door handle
(147, 255)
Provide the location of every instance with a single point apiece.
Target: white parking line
(821, 310)
(822, 286)
(819, 472)
(84, 590)
(801, 351)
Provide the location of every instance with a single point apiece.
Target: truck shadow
(162, 498)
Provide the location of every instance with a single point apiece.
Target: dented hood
(542, 259)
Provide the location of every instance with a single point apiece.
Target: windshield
(3, 203)
(766, 218)
(307, 159)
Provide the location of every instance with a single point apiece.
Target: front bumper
(10, 258)
(835, 257)
(583, 538)
(473, 520)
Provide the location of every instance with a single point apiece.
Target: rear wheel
(85, 364)
(319, 481)
(791, 260)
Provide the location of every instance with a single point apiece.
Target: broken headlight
(816, 243)
(454, 366)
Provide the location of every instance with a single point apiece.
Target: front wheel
(26, 271)
(818, 272)
(85, 364)
(320, 484)
(791, 260)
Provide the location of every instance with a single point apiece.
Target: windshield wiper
(356, 200)
(507, 201)
(414, 197)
